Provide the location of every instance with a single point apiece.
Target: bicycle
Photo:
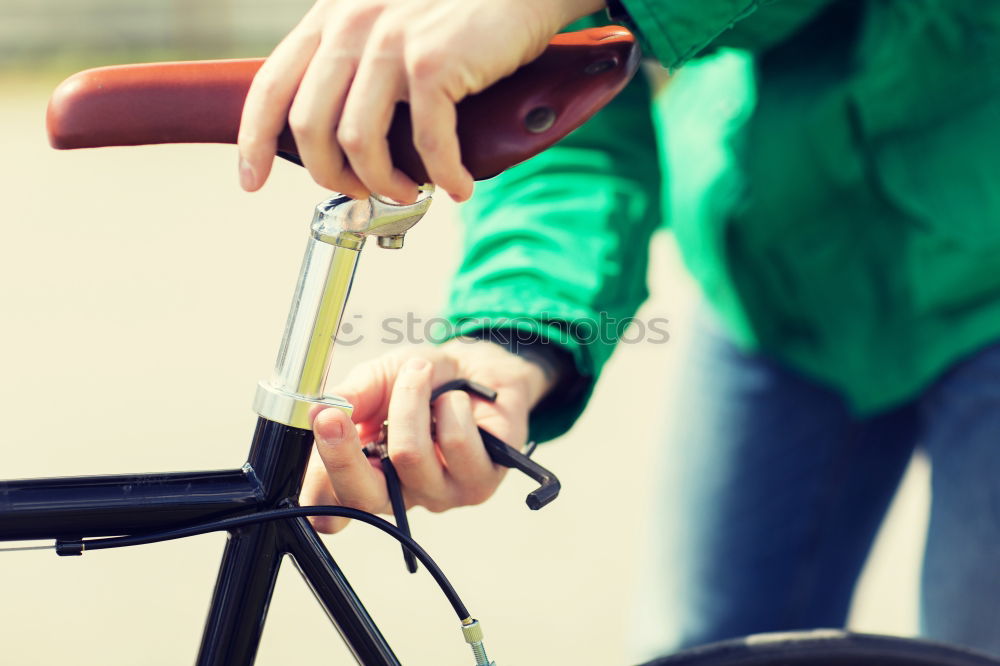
(97, 505)
(256, 504)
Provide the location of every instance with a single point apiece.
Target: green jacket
(831, 170)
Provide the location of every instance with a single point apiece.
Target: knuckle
(387, 38)
(326, 524)
(437, 504)
(266, 86)
(426, 66)
(301, 124)
(426, 141)
(405, 457)
(476, 493)
(351, 138)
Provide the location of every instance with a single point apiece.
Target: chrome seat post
(340, 227)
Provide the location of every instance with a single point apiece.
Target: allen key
(499, 451)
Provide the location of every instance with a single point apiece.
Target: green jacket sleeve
(557, 246)
(678, 30)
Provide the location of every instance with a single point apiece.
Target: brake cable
(79, 546)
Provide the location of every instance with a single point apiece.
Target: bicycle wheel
(825, 647)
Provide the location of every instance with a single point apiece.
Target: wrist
(539, 365)
(528, 378)
(539, 379)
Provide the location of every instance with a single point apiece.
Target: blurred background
(35, 32)
(143, 295)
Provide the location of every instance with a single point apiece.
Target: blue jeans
(772, 494)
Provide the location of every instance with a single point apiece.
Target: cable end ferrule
(69, 547)
(472, 631)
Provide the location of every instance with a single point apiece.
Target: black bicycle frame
(70, 509)
(80, 507)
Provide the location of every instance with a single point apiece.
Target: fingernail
(248, 180)
(331, 431)
(416, 365)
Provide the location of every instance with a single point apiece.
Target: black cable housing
(78, 546)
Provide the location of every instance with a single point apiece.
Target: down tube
(336, 595)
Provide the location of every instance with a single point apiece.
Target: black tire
(825, 648)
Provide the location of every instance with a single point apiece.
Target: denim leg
(770, 497)
(960, 595)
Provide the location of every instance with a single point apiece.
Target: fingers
(454, 471)
(317, 491)
(346, 71)
(315, 113)
(367, 387)
(267, 104)
(368, 112)
(468, 464)
(410, 447)
(353, 480)
(434, 123)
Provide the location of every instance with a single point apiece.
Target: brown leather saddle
(201, 102)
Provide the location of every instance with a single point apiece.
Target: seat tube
(280, 450)
(242, 594)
